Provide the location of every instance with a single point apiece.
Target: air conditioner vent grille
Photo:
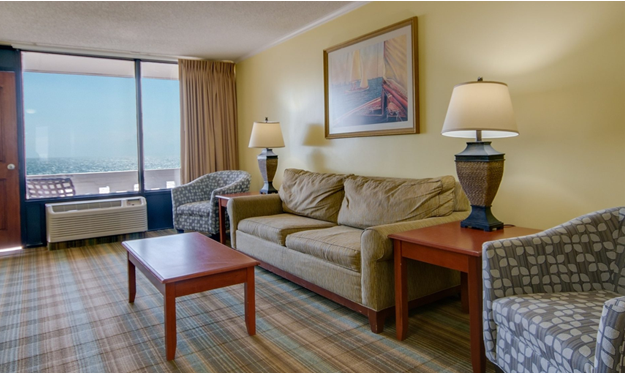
(92, 219)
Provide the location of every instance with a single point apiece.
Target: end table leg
(478, 354)
(401, 292)
(170, 321)
(132, 281)
(250, 302)
(222, 224)
(464, 297)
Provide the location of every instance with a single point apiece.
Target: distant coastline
(62, 165)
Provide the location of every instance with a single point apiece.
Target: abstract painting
(371, 84)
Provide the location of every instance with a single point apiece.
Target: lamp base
(268, 164)
(481, 218)
(480, 169)
(268, 188)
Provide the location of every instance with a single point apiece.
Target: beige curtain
(208, 104)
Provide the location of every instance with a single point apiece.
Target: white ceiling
(226, 30)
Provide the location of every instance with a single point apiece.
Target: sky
(86, 116)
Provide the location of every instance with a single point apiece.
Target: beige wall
(564, 64)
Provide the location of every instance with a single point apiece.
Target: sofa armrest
(242, 207)
(610, 337)
(376, 245)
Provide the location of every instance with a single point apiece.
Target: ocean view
(62, 165)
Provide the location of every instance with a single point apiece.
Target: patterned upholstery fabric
(553, 301)
(194, 204)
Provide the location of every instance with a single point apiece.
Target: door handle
(10, 166)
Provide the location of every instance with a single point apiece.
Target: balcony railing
(117, 181)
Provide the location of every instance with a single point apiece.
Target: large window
(81, 125)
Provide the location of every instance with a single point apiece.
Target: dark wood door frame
(10, 222)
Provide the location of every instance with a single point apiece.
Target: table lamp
(267, 135)
(480, 110)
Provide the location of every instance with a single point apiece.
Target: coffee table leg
(170, 321)
(132, 281)
(250, 302)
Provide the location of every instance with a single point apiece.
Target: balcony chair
(195, 206)
(49, 187)
(553, 301)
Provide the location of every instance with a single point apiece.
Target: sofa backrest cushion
(379, 201)
(314, 195)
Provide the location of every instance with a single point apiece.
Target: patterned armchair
(553, 301)
(194, 204)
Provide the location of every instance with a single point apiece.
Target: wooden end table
(450, 246)
(184, 264)
(223, 204)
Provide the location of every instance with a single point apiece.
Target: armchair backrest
(618, 270)
(226, 177)
(582, 254)
(588, 242)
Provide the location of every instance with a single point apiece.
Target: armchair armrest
(240, 208)
(610, 337)
(376, 245)
(241, 185)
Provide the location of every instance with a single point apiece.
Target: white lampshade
(266, 135)
(480, 105)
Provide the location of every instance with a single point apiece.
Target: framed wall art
(371, 84)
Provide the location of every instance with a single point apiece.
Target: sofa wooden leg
(376, 321)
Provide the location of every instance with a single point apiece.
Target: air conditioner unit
(96, 218)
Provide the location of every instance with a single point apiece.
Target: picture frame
(371, 83)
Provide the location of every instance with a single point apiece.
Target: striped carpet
(67, 311)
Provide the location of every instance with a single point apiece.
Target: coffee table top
(185, 256)
(452, 237)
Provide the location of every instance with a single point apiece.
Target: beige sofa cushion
(379, 201)
(277, 227)
(314, 195)
(339, 245)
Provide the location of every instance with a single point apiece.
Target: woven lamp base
(480, 169)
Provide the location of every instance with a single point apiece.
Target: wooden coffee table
(450, 246)
(185, 264)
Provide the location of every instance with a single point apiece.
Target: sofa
(329, 233)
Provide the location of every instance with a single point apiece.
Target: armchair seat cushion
(558, 327)
(277, 227)
(199, 208)
(339, 245)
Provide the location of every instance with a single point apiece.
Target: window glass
(80, 125)
(160, 99)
